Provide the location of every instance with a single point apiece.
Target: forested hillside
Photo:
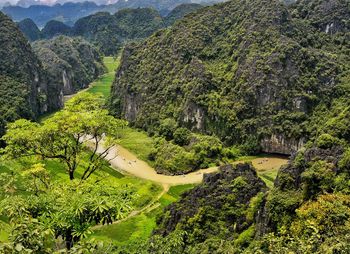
(71, 63)
(222, 129)
(250, 72)
(29, 29)
(70, 12)
(54, 28)
(109, 32)
(41, 14)
(180, 11)
(22, 82)
(33, 82)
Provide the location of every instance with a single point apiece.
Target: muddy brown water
(125, 161)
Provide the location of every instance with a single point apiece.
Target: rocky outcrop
(279, 144)
(229, 190)
(294, 169)
(290, 185)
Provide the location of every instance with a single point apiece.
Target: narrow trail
(148, 208)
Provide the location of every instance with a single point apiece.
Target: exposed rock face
(229, 190)
(294, 171)
(329, 16)
(281, 145)
(289, 185)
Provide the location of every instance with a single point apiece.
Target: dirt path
(151, 206)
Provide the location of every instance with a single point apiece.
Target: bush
(182, 136)
(326, 141)
(173, 159)
(167, 128)
(344, 163)
(318, 178)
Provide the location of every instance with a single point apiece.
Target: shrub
(167, 128)
(174, 159)
(326, 141)
(182, 136)
(318, 178)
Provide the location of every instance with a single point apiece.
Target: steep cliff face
(323, 167)
(281, 145)
(71, 63)
(18, 62)
(240, 70)
(25, 91)
(329, 16)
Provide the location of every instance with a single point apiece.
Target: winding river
(125, 161)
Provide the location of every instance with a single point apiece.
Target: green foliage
(109, 32)
(282, 205)
(327, 141)
(29, 29)
(54, 28)
(213, 213)
(14, 101)
(65, 210)
(173, 159)
(71, 63)
(103, 84)
(318, 178)
(167, 128)
(321, 226)
(182, 136)
(20, 76)
(65, 134)
(254, 206)
(238, 78)
(180, 11)
(344, 163)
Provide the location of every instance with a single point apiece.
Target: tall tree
(65, 136)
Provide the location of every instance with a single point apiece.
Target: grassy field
(137, 142)
(142, 225)
(103, 84)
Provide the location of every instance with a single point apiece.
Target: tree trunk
(69, 240)
(71, 175)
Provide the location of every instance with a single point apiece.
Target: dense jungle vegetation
(221, 85)
(249, 72)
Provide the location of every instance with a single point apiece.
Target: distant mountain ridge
(109, 32)
(70, 12)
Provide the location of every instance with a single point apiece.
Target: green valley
(184, 129)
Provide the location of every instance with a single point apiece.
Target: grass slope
(140, 226)
(103, 83)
